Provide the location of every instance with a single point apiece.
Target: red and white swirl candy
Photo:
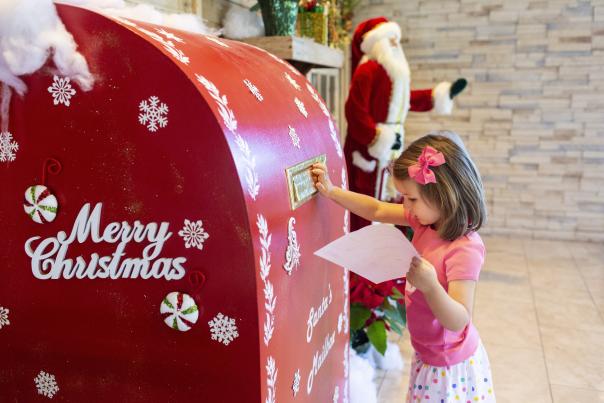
(40, 204)
(179, 310)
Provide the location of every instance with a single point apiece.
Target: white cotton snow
(240, 23)
(146, 13)
(362, 387)
(392, 360)
(30, 32)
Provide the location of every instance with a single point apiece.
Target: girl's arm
(362, 205)
(453, 309)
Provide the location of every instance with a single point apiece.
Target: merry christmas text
(49, 261)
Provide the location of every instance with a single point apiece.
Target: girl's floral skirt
(466, 382)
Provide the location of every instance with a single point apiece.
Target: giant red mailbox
(158, 231)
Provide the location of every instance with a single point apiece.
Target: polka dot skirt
(467, 382)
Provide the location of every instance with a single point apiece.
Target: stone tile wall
(533, 113)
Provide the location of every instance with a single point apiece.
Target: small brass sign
(299, 181)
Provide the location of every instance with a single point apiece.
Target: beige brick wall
(533, 113)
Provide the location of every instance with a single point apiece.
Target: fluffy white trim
(362, 387)
(380, 150)
(383, 30)
(359, 161)
(441, 96)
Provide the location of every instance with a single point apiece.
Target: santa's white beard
(392, 58)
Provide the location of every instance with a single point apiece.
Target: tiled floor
(539, 309)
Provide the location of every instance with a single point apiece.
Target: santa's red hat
(368, 33)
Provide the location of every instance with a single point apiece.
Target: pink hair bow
(421, 171)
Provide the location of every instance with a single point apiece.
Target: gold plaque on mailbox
(299, 181)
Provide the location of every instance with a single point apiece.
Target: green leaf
(358, 316)
(393, 315)
(397, 328)
(402, 309)
(396, 294)
(377, 336)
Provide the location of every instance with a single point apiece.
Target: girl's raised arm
(362, 205)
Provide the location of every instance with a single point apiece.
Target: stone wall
(533, 113)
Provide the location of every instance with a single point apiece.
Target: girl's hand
(422, 275)
(321, 179)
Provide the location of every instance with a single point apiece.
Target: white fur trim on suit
(441, 96)
(380, 150)
(383, 30)
(365, 165)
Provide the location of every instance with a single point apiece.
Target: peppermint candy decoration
(40, 205)
(179, 310)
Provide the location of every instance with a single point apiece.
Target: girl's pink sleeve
(465, 259)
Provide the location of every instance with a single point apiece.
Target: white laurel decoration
(346, 212)
(167, 43)
(345, 362)
(301, 107)
(332, 129)
(294, 137)
(270, 300)
(271, 380)
(251, 176)
(216, 41)
(253, 89)
(293, 82)
(292, 254)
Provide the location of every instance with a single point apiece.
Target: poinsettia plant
(375, 309)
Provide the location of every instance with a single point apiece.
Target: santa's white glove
(380, 150)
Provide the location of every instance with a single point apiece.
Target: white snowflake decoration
(223, 329)
(270, 300)
(293, 82)
(296, 383)
(61, 90)
(4, 317)
(301, 107)
(216, 41)
(193, 234)
(153, 113)
(46, 384)
(169, 35)
(253, 89)
(294, 137)
(271, 380)
(251, 177)
(8, 147)
(336, 394)
(292, 254)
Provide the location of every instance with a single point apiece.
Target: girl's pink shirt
(460, 259)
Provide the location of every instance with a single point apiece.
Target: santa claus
(380, 97)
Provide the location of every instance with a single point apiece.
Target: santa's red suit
(380, 97)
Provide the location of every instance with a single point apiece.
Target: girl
(443, 201)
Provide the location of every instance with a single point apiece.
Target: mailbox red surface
(192, 135)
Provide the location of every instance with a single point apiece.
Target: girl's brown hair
(458, 191)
